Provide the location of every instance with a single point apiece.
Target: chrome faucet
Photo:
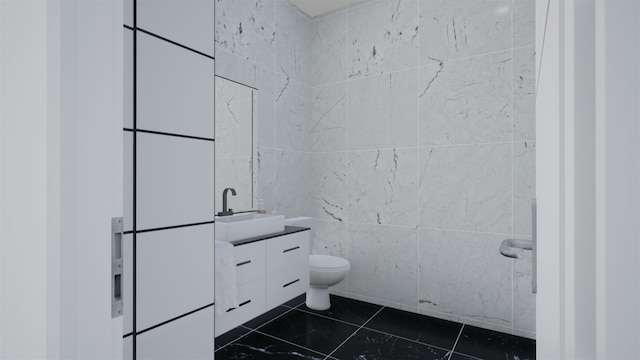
(226, 211)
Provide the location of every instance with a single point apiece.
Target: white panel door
(188, 22)
(174, 273)
(175, 89)
(190, 337)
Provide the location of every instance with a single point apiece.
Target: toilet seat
(327, 263)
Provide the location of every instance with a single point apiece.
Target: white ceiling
(319, 7)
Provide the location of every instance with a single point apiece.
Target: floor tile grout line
(355, 332)
(290, 343)
(330, 318)
(456, 343)
(251, 330)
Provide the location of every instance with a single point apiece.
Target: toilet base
(318, 298)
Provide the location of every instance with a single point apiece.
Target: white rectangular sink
(247, 225)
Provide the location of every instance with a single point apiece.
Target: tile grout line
(355, 332)
(251, 330)
(456, 343)
(289, 342)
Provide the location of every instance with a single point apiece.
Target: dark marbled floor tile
(229, 336)
(425, 329)
(266, 317)
(372, 345)
(296, 301)
(259, 346)
(488, 344)
(458, 356)
(309, 330)
(349, 310)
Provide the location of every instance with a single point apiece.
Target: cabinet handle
(290, 283)
(242, 304)
(244, 263)
(293, 248)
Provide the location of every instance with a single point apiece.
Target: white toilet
(324, 270)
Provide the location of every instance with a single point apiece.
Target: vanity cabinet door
(190, 23)
(250, 262)
(251, 297)
(286, 250)
(287, 267)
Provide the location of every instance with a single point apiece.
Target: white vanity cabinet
(269, 273)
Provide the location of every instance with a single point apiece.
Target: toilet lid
(327, 262)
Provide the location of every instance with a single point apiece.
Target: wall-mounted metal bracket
(116, 267)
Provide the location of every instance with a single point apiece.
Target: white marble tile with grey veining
(234, 119)
(524, 185)
(464, 274)
(524, 97)
(466, 187)
(329, 49)
(454, 29)
(264, 116)
(236, 68)
(293, 42)
(265, 177)
(293, 114)
(384, 262)
(328, 128)
(247, 28)
(329, 186)
(383, 111)
(383, 186)
(236, 173)
(524, 22)
(466, 101)
(383, 37)
(524, 301)
(293, 171)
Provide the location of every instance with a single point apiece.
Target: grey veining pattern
(247, 28)
(383, 37)
(479, 287)
(382, 187)
(466, 101)
(264, 117)
(328, 130)
(383, 111)
(266, 177)
(455, 29)
(293, 42)
(329, 186)
(524, 185)
(292, 179)
(293, 111)
(524, 97)
(466, 187)
(384, 262)
(329, 49)
(524, 22)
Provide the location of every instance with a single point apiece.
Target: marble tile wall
(407, 129)
(266, 44)
(422, 134)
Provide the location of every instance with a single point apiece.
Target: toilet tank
(303, 221)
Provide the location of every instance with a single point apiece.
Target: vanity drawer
(284, 251)
(251, 297)
(250, 262)
(286, 284)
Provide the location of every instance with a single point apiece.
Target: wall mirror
(236, 148)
